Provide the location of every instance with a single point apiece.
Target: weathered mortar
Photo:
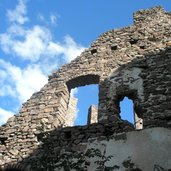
(134, 61)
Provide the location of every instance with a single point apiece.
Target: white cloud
(35, 48)
(48, 20)
(72, 49)
(28, 81)
(69, 49)
(5, 115)
(41, 17)
(29, 46)
(23, 82)
(6, 90)
(16, 31)
(18, 15)
(2, 75)
(53, 19)
(55, 49)
(74, 92)
(34, 43)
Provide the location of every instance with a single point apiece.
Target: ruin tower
(133, 62)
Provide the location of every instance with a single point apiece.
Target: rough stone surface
(134, 61)
(92, 115)
(71, 112)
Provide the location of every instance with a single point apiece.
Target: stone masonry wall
(92, 114)
(134, 61)
(71, 112)
(100, 146)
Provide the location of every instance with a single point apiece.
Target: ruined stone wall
(71, 112)
(92, 115)
(104, 147)
(134, 61)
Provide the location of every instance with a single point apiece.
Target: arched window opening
(128, 112)
(83, 80)
(83, 104)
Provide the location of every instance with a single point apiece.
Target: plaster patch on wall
(121, 136)
(139, 147)
(128, 77)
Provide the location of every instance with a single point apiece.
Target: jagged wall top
(147, 25)
(134, 61)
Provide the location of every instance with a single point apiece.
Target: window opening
(86, 96)
(126, 108)
(114, 47)
(2, 140)
(93, 51)
(128, 113)
(133, 41)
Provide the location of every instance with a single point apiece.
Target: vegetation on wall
(78, 161)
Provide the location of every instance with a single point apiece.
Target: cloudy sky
(38, 36)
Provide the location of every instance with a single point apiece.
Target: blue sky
(38, 36)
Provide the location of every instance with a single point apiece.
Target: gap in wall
(126, 108)
(87, 96)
